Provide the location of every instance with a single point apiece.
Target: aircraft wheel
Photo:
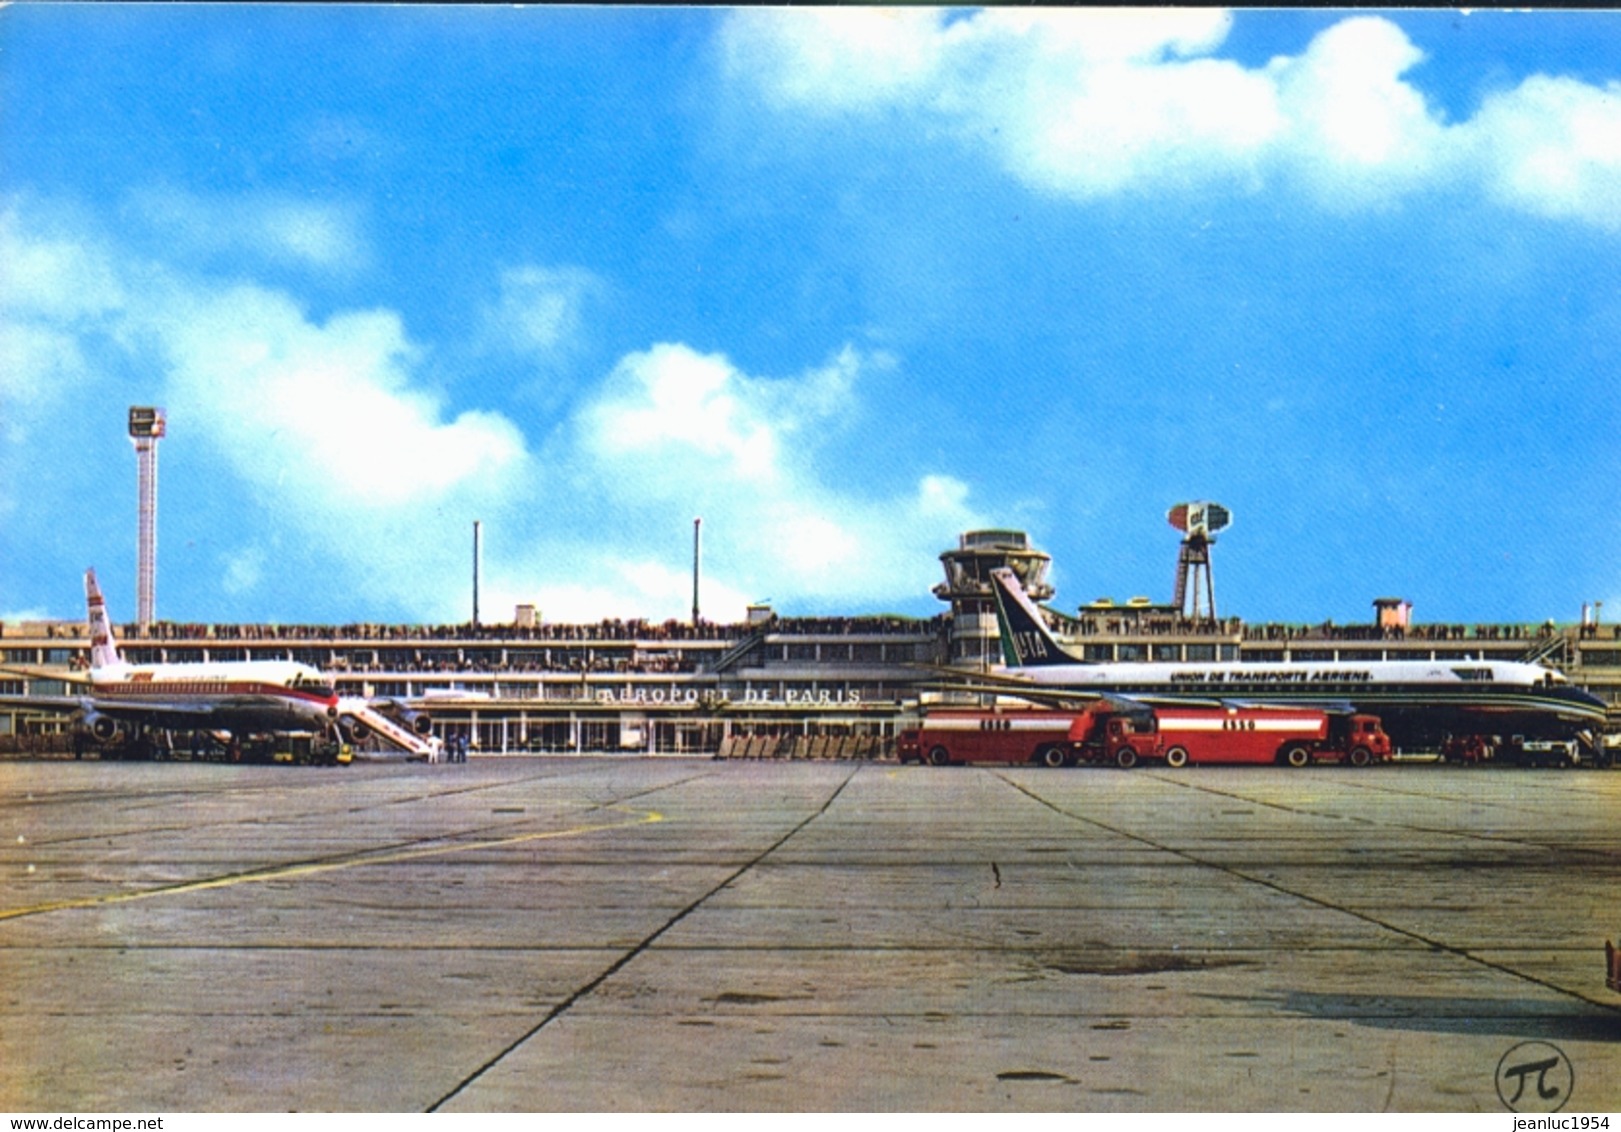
(1176, 757)
(1360, 756)
(939, 756)
(1297, 756)
(1055, 756)
(1125, 758)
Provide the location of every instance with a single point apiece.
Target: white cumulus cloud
(681, 408)
(336, 452)
(58, 291)
(1553, 146)
(51, 271)
(676, 431)
(1353, 126)
(337, 403)
(1089, 103)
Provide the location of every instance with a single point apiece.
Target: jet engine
(353, 728)
(103, 728)
(418, 721)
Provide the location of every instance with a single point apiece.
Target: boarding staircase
(361, 718)
(1551, 648)
(732, 656)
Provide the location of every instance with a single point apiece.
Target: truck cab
(909, 745)
(1358, 739)
(1123, 738)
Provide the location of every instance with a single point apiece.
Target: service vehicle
(990, 735)
(1105, 734)
(1179, 736)
(1540, 752)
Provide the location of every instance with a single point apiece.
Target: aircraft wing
(146, 711)
(46, 674)
(1068, 699)
(1332, 707)
(1046, 697)
(45, 703)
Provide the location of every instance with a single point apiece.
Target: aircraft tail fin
(103, 647)
(1026, 640)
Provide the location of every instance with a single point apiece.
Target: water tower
(146, 427)
(1198, 523)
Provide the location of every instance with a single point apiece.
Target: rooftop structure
(1199, 524)
(968, 588)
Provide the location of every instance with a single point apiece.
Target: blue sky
(844, 283)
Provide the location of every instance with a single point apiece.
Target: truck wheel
(1055, 756)
(1125, 758)
(1360, 756)
(1176, 756)
(1297, 756)
(939, 756)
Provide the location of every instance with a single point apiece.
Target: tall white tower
(146, 426)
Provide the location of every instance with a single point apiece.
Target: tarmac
(517, 934)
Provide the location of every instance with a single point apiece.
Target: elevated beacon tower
(974, 638)
(146, 427)
(1198, 523)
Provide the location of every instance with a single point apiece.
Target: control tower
(974, 636)
(146, 427)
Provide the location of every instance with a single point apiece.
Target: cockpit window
(313, 684)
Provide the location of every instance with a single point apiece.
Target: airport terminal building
(772, 686)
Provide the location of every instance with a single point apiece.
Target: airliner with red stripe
(242, 697)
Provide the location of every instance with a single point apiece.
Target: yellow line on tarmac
(284, 872)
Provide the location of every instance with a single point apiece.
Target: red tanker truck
(989, 735)
(1179, 736)
(1125, 735)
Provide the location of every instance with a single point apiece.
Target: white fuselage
(1415, 697)
(250, 695)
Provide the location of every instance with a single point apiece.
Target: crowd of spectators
(1157, 625)
(611, 629)
(533, 661)
(1328, 631)
(1113, 624)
